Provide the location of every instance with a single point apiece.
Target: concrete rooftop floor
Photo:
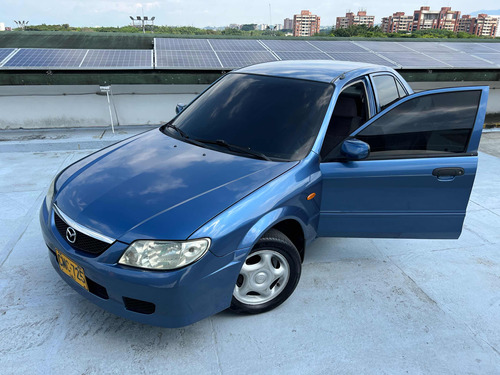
(363, 306)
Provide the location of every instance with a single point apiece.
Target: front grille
(83, 242)
(139, 306)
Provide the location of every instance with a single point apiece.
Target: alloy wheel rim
(263, 277)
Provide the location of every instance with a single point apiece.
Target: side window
(387, 92)
(401, 90)
(350, 112)
(429, 124)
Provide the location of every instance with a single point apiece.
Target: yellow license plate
(71, 269)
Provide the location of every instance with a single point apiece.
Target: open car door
(417, 179)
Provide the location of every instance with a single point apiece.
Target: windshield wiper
(242, 150)
(181, 133)
(184, 136)
(219, 142)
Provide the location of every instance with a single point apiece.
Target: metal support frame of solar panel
(42, 58)
(117, 59)
(364, 57)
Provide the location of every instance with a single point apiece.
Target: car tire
(268, 276)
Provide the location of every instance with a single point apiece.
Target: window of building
(432, 124)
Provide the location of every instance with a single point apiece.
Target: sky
(201, 13)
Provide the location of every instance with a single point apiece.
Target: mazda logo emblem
(71, 235)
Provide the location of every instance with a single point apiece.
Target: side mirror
(354, 149)
(179, 108)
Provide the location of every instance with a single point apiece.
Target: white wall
(81, 106)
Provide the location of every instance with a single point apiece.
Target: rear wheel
(268, 276)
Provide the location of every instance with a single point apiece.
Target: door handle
(447, 172)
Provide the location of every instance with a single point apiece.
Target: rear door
(418, 177)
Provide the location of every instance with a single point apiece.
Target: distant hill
(492, 12)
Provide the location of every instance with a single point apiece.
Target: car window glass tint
(429, 124)
(387, 91)
(401, 90)
(278, 117)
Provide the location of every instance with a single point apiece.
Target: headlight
(50, 194)
(164, 255)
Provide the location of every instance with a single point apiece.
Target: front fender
(285, 197)
(271, 219)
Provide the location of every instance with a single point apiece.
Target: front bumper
(180, 297)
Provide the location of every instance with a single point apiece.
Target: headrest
(346, 107)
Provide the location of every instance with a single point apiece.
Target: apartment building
(305, 24)
(444, 19)
(466, 24)
(288, 23)
(396, 23)
(482, 25)
(486, 25)
(351, 19)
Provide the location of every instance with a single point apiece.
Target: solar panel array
(46, 58)
(234, 53)
(111, 58)
(173, 53)
(52, 58)
(226, 54)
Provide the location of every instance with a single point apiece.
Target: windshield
(277, 117)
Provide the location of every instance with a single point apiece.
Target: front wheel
(268, 276)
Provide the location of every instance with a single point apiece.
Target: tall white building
(498, 24)
(2, 26)
(306, 24)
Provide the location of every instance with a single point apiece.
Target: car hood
(155, 186)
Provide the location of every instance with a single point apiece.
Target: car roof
(313, 70)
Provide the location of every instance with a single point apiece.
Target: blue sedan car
(215, 209)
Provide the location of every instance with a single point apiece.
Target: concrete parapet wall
(35, 107)
(32, 107)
